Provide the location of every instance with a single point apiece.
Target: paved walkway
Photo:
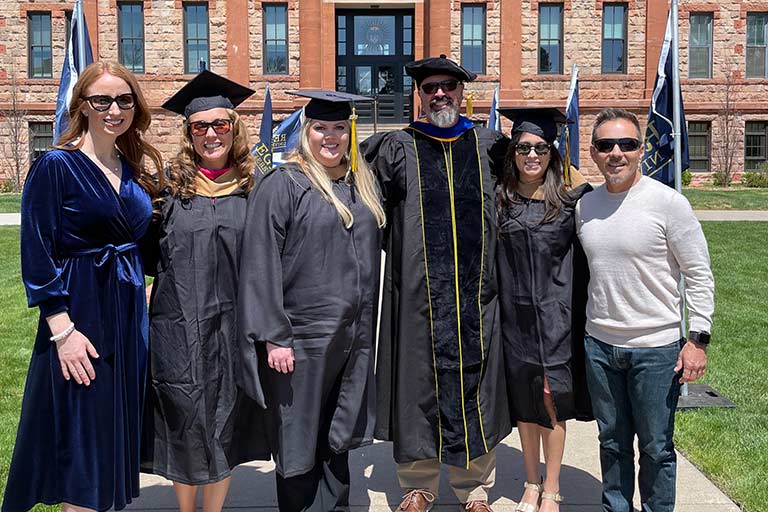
(12, 219)
(374, 484)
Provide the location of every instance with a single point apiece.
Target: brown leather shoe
(417, 500)
(477, 506)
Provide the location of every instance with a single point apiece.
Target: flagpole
(80, 64)
(676, 131)
(678, 152)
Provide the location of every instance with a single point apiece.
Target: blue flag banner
(568, 145)
(71, 69)
(263, 148)
(658, 159)
(286, 135)
(494, 120)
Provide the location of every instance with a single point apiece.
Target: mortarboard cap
(541, 121)
(206, 91)
(421, 69)
(327, 105)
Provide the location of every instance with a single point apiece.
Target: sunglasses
(102, 102)
(220, 126)
(625, 144)
(445, 85)
(541, 148)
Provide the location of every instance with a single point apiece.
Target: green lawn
(10, 203)
(730, 446)
(733, 198)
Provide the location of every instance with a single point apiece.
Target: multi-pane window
(757, 25)
(699, 145)
(195, 37)
(473, 37)
(276, 39)
(40, 139)
(130, 34)
(755, 139)
(700, 46)
(614, 38)
(550, 38)
(40, 54)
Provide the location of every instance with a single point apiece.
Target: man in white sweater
(640, 237)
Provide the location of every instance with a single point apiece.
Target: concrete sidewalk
(14, 219)
(375, 488)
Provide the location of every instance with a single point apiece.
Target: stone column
(511, 54)
(238, 59)
(656, 13)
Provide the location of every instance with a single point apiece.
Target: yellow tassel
(469, 104)
(567, 166)
(353, 141)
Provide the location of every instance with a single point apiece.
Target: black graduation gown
(309, 283)
(440, 381)
(543, 277)
(192, 432)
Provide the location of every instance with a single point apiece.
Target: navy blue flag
(494, 120)
(71, 69)
(263, 148)
(568, 144)
(286, 135)
(659, 157)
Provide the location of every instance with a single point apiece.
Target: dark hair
(131, 144)
(611, 113)
(556, 195)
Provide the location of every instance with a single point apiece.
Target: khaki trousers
(468, 484)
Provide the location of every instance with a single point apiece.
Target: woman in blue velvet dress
(85, 206)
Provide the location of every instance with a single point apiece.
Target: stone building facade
(361, 46)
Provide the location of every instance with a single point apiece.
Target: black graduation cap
(541, 121)
(421, 69)
(325, 105)
(206, 91)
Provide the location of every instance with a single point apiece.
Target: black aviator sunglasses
(626, 144)
(446, 85)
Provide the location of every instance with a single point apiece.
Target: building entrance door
(372, 49)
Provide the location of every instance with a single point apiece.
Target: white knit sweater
(638, 243)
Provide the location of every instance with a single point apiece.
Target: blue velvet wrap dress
(80, 444)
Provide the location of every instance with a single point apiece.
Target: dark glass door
(372, 50)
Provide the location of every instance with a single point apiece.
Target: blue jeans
(634, 391)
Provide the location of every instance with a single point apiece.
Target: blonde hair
(183, 168)
(365, 182)
(131, 144)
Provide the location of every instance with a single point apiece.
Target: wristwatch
(700, 337)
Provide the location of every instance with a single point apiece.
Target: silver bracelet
(63, 334)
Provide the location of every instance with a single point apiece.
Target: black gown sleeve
(261, 315)
(41, 207)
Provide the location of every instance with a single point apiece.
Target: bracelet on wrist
(63, 334)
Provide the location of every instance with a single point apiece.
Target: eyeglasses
(626, 144)
(220, 126)
(102, 102)
(541, 148)
(445, 85)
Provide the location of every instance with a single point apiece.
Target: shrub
(721, 179)
(755, 179)
(687, 177)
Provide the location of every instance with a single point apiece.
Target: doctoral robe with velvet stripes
(440, 380)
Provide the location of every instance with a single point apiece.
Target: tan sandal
(552, 496)
(529, 507)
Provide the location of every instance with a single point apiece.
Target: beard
(444, 118)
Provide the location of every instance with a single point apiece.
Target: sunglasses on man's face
(220, 126)
(102, 102)
(445, 85)
(626, 144)
(524, 148)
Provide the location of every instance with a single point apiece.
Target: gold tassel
(469, 104)
(567, 166)
(353, 141)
